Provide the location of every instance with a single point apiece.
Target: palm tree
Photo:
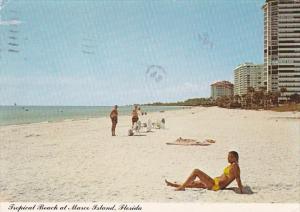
(237, 98)
(258, 98)
(267, 99)
(274, 97)
(295, 98)
(250, 92)
(244, 100)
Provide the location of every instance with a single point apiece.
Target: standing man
(114, 120)
(134, 114)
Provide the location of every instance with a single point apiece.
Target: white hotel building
(221, 88)
(248, 75)
(282, 46)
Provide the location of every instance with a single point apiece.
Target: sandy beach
(80, 161)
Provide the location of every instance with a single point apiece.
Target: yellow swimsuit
(226, 171)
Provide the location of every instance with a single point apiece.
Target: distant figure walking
(114, 120)
(230, 173)
(135, 115)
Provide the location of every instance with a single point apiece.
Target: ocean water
(12, 115)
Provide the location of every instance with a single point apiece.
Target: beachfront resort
(280, 73)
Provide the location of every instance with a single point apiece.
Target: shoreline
(81, 118)
(86, 119)
(179, 108)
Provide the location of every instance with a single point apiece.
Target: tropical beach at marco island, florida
(150, 105)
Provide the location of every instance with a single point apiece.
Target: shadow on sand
(246, 190)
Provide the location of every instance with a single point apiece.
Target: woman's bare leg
(204, 178)
(195, 184)
(172, 184)
(113, 129)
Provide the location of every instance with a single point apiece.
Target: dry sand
(80, 161)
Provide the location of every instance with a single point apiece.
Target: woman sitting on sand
(231, 172)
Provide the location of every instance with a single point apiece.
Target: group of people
(114, 117)
(230, 173)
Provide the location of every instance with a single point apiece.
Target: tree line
(253, 99)
(256, 99)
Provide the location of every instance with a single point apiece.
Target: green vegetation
(189, 102)
(254, 100)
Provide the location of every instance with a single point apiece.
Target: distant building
(248, 75)
(282, 46)
(222, 88)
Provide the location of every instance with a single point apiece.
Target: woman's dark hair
(235, 154)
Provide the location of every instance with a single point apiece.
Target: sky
(93, 53)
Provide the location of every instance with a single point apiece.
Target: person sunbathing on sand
(231, 172)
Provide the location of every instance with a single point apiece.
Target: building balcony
(289, 39)
(291, 45)
(295, 49)
(289, 56)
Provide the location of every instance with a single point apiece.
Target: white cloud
(10, 22)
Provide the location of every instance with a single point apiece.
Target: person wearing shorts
(114, 120)
(135, 115)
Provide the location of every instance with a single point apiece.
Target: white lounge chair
(137, 127)
(149, 126)
(159, 124)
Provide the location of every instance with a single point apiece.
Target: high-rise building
(222, 88)
(282, 46)
(248, 75)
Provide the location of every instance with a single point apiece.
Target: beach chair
(159, 124)
(156, 125)
(137, 127)
(149, 126)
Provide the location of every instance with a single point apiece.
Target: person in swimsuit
(135, 115)
(230, 173)
(114, 120)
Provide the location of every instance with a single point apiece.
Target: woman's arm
(237, 175)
